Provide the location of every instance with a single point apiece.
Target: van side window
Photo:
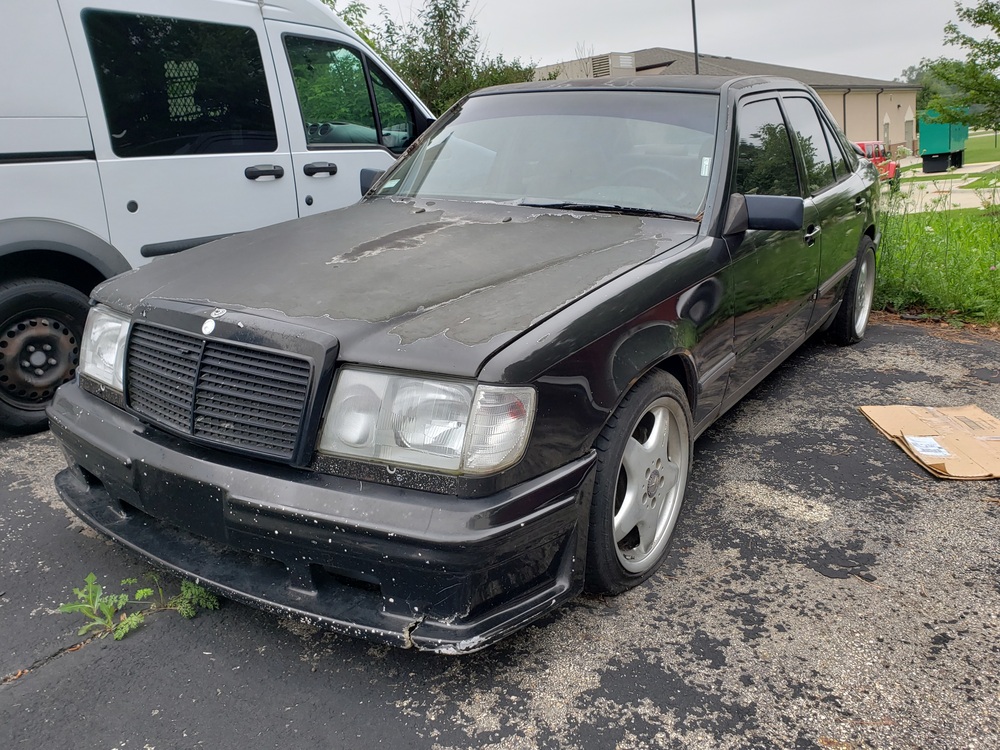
(171, 86)
(336, 104)
(395, 113)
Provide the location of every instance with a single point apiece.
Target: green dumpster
(942, 144)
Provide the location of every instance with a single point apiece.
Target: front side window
(812, 143)
(765, 161)
(333, 92)
(171, 86)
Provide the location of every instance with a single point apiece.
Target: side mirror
(774, 212)
(368, 178)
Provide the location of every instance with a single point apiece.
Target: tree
(930, 87)
(438, 53)
(973, 93)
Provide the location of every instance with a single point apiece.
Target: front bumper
(396, 565)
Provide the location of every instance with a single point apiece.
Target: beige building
(866, 108)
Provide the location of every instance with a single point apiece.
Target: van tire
(41, 327)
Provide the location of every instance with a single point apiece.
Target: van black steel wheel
(643, 462)
(41, 325)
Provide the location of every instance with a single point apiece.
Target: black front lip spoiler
(449, 575)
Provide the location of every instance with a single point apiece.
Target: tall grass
(938, 260)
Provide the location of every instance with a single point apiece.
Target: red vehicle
(881, 157)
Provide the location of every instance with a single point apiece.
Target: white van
(136, 128)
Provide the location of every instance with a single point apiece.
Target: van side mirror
(368, 178)
(773, 212)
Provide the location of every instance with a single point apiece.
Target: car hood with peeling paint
(436, 286)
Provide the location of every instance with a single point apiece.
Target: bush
(939, 261)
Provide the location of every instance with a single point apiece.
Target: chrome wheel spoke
(648, 527)
(636, 461)
(629, 515)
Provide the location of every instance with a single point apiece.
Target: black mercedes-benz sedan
(434, 416)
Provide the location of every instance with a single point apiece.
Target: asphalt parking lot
(823, 591)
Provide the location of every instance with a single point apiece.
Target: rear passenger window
(812, 143)
(840, 165)
(171, 86)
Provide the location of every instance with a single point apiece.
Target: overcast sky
(871, 38)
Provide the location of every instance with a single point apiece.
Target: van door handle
(264, 170)
(319, 167)
(812, 234)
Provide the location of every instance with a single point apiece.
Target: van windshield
(646, 150)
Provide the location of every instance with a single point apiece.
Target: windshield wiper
(606, 208)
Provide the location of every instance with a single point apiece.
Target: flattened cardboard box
(953, 443)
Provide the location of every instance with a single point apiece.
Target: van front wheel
(41, 325)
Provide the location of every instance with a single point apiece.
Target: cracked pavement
(822, 591)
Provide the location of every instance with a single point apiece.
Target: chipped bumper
(414, 569)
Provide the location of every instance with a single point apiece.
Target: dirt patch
(958, 331)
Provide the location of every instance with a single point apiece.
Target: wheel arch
(681, 366)
(58, 251)
(663, 346)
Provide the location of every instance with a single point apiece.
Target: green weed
(107, 614)
(940, 261)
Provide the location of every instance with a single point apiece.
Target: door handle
(264, 170)
(319, 167)
(860, 204)
(812, 234)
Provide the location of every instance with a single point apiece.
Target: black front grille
(225, 393)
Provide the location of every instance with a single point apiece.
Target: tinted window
(333, 92)
(840, 165)
(765, 162)
(171, 86)
(812, 143)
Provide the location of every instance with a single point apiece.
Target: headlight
(102, 351)
(445, 425)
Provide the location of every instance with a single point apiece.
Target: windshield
(621, 149)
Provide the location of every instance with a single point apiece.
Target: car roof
(706, 84)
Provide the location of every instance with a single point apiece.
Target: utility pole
(694, 27)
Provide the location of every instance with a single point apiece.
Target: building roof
(680, 62)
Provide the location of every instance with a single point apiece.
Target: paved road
(823, 592)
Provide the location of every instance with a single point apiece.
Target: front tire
(852, 318)
(41, 326)
(643, 462)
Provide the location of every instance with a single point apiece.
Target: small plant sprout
(108, 614)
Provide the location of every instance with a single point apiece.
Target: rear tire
(41, 326)
(851, 322)
(643, 462)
